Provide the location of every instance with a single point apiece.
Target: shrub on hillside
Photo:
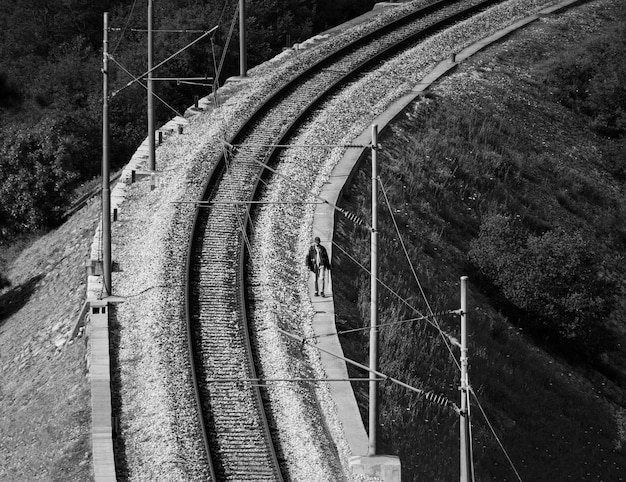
(554, 278)
(39, 168)
(591, 80)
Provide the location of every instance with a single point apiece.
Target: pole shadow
(14, 299)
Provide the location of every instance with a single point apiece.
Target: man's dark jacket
(310, 259)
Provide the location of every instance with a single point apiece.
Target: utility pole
(243, 60)
(151, 147)
(467, 472)
(106, 191)
(373, 385)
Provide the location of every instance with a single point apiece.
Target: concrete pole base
(386, 467)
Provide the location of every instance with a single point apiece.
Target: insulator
(352, 217)
(438, 399)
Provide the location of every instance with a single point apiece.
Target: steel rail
(216, 174)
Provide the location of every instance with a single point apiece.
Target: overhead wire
(357, 220)
(448, 339)
(448, 347)
(219, 20)
(226, 152)
(240, 220)
(218, 69)
(493, 432)
(408, 258)
(144, 86)
(396, 294)
(428, 395)
(445, 341)
(215, 84)
(119, 40)
(430, 318)
(305, 189)
(228, 39)
(137, 78)
(380, 325)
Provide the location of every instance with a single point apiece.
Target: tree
(554, 278)
(329, 13)
(66, 82)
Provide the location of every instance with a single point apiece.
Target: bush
(40, 166)
(592, 81)
(554, 278)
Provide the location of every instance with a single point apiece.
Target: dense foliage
(591, 81)
(40, 166)
(555, 279)
(51, 83)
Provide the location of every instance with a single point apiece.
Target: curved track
(238, 437)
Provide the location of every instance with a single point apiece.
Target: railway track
(238, 437)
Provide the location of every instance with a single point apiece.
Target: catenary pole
(150, 87)
(373, 386)
(106, 192)
(465, 452)
(243, 60)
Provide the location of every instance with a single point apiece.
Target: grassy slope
(44, 392)
(490, 139)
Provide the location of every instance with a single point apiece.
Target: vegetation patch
(498, 175)
(51, 83)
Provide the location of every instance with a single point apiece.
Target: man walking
(317, 261)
